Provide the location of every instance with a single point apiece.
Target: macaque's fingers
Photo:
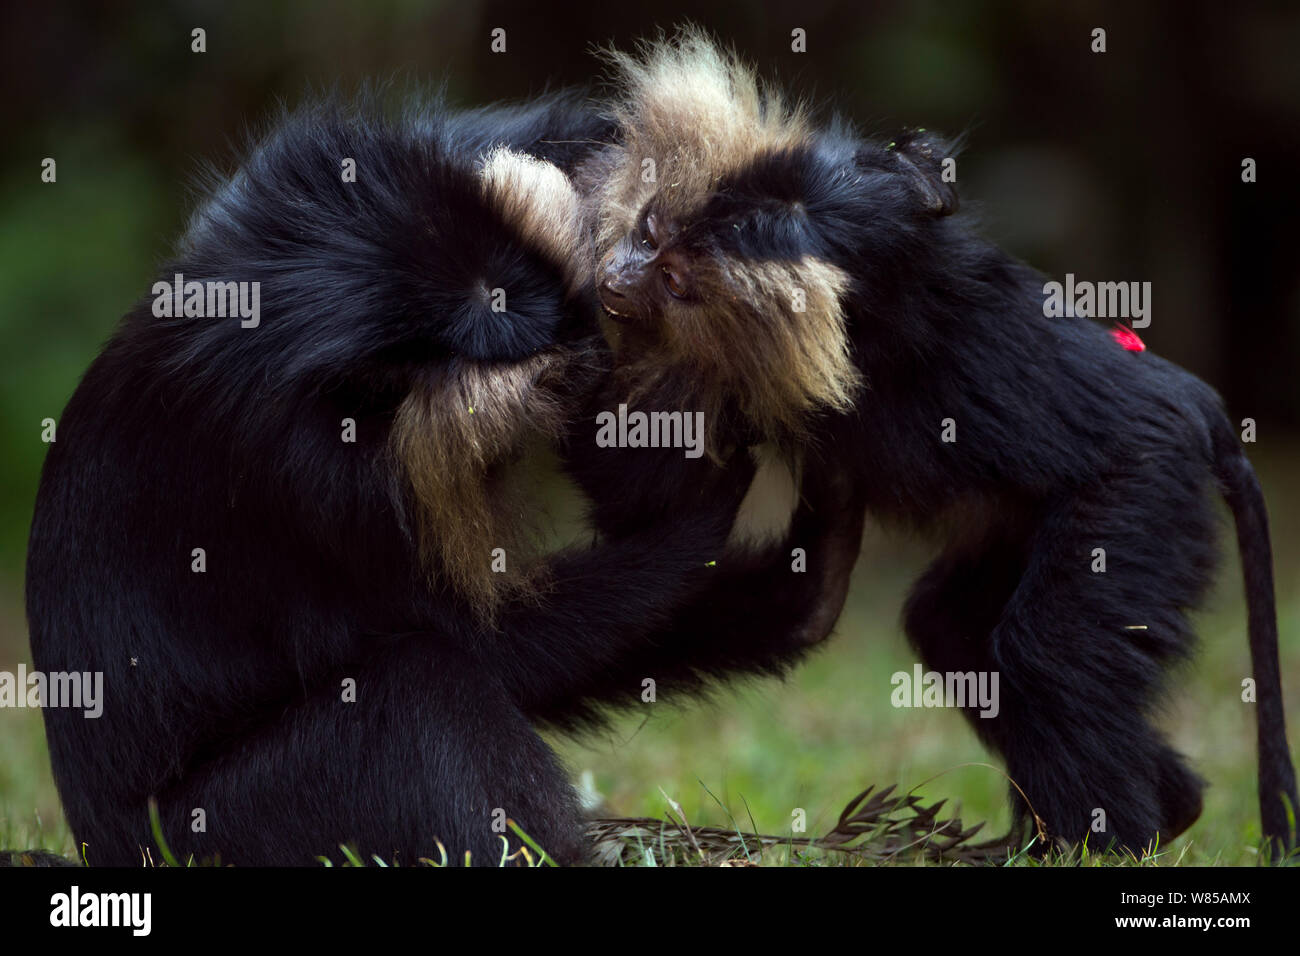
(721, 488)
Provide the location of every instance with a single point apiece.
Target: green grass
(817, 740)
(813, 742)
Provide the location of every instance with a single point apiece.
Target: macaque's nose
(615, 286)
(616, 295)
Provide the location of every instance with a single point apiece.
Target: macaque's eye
(676, 287)
(649, 234)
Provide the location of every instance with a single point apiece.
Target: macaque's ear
(921, 157)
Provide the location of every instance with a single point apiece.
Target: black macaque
(277, 533)
(815, 283)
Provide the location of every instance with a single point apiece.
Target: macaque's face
(722, 273)
(707, 257)
(648, 273)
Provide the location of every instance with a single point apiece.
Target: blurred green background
(1122, 165)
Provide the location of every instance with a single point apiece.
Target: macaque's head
(732, 235)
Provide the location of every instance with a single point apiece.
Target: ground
(756, 754)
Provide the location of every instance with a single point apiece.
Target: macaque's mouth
(618, 316)
(617, 307)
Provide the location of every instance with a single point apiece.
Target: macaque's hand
(635, 489)
(660, 486)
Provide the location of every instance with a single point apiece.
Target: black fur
(223, 688)
(1065, 442)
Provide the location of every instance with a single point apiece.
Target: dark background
(1117, 166)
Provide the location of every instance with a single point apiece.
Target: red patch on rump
(1128, 339)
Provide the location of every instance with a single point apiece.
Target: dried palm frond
(877, 826)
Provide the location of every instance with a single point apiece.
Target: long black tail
(1276, 775)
